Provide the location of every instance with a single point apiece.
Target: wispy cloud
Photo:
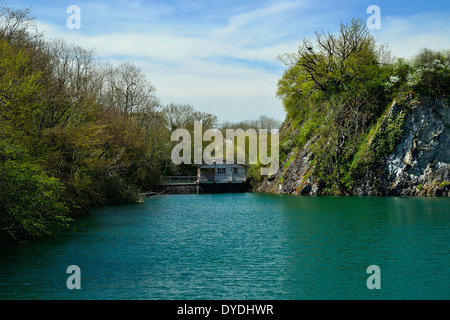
(220, 56)
(406, 35)
(258, 18)
(229, 70)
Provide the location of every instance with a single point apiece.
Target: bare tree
(127, 90)
(15, 25)
(334, 59)
(182, 116)
(69, 81)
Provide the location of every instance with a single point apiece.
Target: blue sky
(220, 56)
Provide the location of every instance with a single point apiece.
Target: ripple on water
(241, 246)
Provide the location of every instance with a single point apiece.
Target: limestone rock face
(418, 165)
(293, 175)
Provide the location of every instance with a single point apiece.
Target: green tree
(430, 73)
(31, 203)
(18, 88)
(338, 85)
(332, 65)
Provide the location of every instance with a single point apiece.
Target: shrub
(430, 74)
(31, 202)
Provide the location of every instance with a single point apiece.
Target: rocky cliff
(418, 165)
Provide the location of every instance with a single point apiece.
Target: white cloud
(231, 92)
(262, 16)
(215, 74)
(407, 35)
(230, 70)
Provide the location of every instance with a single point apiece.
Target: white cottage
(221, 173)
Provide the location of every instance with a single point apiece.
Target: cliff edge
(419, 164)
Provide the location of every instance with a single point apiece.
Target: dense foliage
(76, 132)
(337, 90)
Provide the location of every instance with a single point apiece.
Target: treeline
(338, 87)
(76, 132)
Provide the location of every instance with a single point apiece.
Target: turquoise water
(242, 246)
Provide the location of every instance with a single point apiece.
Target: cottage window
(235, 170)
(221, 170)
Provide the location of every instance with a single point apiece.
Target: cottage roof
(206, 166)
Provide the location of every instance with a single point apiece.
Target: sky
(221, 56)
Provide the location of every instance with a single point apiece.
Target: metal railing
(222, 178)
(174, 180)
(207, 177)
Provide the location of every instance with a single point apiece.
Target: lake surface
(242, 246)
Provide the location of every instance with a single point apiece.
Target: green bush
(31, 202)
(430, 73)
(115, 190)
